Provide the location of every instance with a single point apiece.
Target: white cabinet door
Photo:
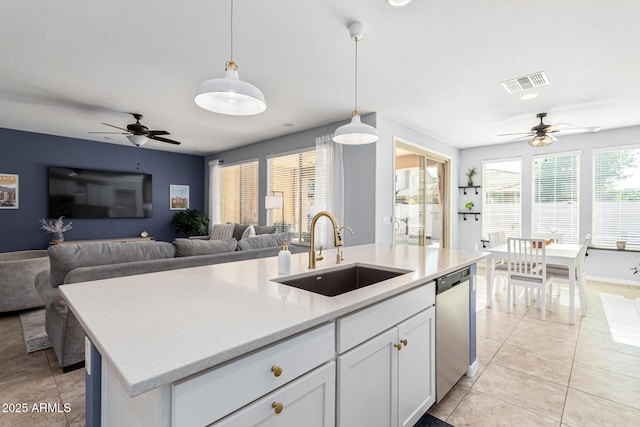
(367, 383)
(416, 367)
(307, 401)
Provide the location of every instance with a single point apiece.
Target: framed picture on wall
(178, 197)
(8, 191)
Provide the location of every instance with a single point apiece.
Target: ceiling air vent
(525, 82)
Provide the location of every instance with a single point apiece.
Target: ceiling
(435, 66)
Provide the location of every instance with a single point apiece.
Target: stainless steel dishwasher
(452, 329)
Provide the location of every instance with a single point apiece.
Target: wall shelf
(464, 215)
(464, 188)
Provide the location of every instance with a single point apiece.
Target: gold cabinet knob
(398, 346)
(277, 407)
(277, 370)
(404, 342)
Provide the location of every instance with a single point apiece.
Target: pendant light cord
(356, 80)
(231, 26)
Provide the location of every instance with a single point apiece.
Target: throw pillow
(238, 229)
(250, 231)
(188, 247)
(258, 242)
(222, 231)
(265, 229)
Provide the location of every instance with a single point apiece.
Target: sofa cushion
(64, 258)
(238, 229)
(188, 247)
(265, 229)
(250, 231)
(222, 231)
(258, 242)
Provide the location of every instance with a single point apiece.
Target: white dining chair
(526, 263)
(497, 238)
(561, 274)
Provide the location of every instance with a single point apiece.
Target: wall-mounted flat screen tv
(87, 193)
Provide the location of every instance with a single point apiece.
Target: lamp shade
(137, 140)
(355, 133)
(230, 95)
(542, 140)
(273, 202)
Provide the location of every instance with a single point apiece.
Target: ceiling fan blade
(158, 132)
(519, 138)
(519, 133)
(118, 133)
(159, 138)
(578, 130)
(117, 127)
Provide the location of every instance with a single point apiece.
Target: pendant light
(356, 132)
(230, 95)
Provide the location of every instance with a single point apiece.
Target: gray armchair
(18, 271)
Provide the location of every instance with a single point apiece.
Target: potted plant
(56, 227)
(189, 221)
(470, 174)
(469, 205)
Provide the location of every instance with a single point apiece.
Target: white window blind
(293, 175)
(555, 195)
(501, 206)
(616, 194)
(239, 193)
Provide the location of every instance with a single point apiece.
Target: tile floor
(539, 373)
(531, 372)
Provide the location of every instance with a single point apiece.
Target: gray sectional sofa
(73, 263)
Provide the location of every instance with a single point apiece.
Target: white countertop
(157, 328)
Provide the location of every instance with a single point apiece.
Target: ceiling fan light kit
(542, 140)
(137, 140)
(229, 95)
(356, 132)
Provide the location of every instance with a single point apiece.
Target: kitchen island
(153, 336)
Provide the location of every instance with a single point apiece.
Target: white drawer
(369, 322)
(205, 398)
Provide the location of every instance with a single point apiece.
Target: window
(555, 195)
(501, 184)
(239, 193)
(616, 196)
(294, 175)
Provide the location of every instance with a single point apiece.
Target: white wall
(388, 131)
(612, 265)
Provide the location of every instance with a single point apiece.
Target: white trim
(616, 148)
(240, 162)
(612, 280)
(501, 159)
(421, 150)
(560, 154)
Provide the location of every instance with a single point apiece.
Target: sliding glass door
(421, 197)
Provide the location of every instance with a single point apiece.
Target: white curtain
(329, 188)
(214, 193)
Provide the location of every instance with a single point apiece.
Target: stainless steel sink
(341, 280)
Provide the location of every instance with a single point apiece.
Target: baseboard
(473, 369)
(611, 280)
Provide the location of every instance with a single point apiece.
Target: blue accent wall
(29, 154)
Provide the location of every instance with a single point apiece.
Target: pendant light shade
(356, 132)
(230, 95)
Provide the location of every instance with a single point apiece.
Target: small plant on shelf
(470, 174)
(469, 205)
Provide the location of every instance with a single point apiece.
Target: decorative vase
(621, 244)
(470, 182)
(57, 238)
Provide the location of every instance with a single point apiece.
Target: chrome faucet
(337, 241)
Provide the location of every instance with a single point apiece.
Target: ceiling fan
(541, 136)
(139, 134)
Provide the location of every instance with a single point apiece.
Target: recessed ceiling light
(398, 3)
(529, 96)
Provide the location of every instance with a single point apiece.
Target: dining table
(565, 254)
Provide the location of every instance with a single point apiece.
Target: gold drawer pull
(277, 407)
(404, 342)
(398, 346)
(277, 371)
